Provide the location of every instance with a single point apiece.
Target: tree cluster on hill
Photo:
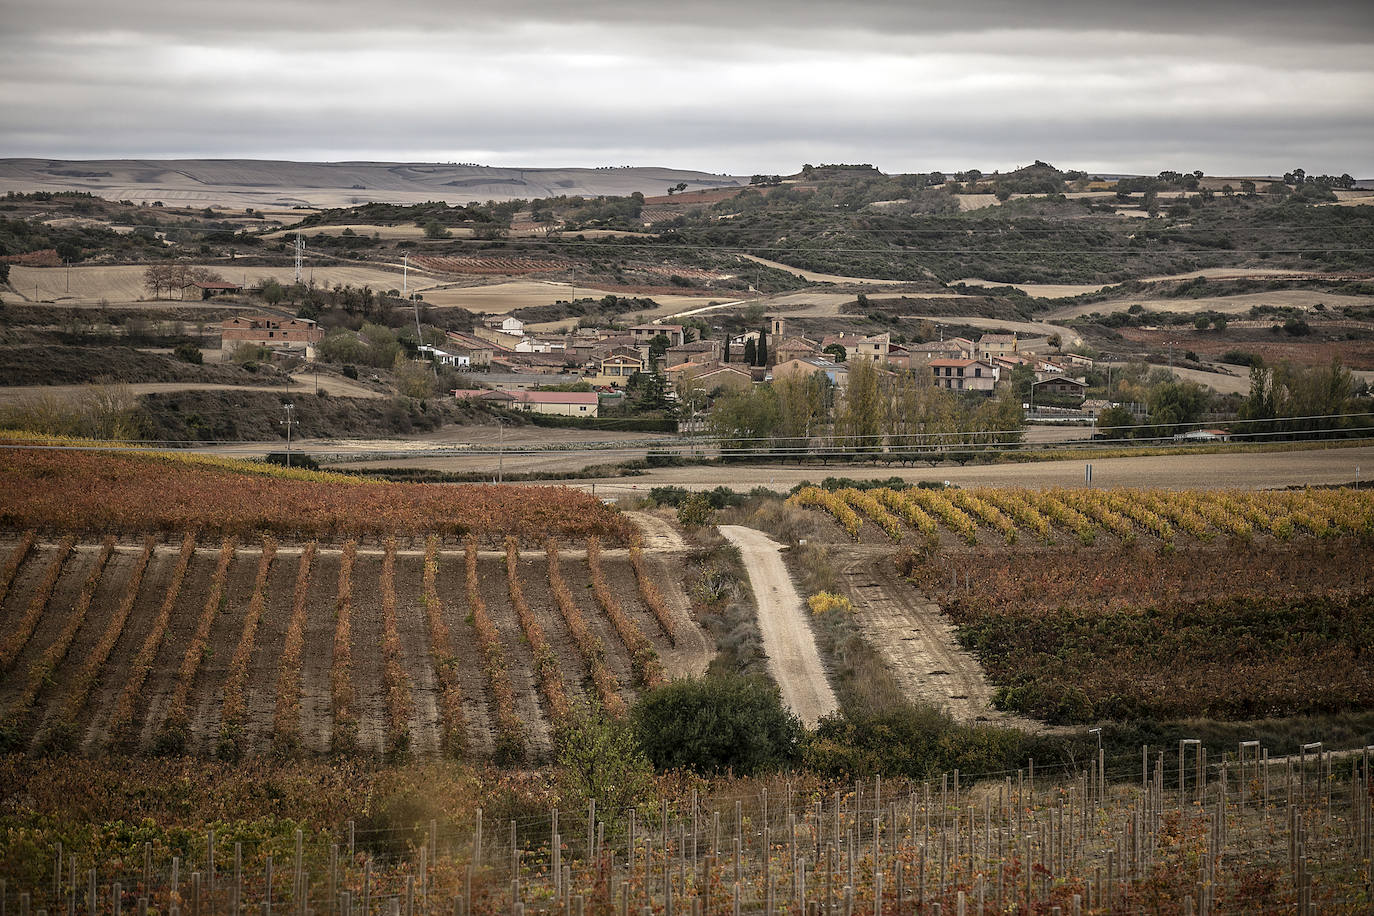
(173, 277)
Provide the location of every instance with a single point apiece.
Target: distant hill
(270, 184)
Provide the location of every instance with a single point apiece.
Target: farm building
(834, 372)
(266, 331)
(1062, 386)
(209, 289)
(993, 346)
(964, 374)
(615, 369)
(506, 324)
(1204, 435)
(711, 377)
(898, 356)
(444, 358)
(858, 346)
(556, 403)
(954, 348)
(698, 351)
(478, 352)
(645, 333)
(794, 348)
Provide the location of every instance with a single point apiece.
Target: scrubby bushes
(910, 740)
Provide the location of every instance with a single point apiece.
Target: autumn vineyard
(1085, 516)
(224, 632)
(233, 689)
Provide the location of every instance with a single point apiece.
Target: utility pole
(289, 422)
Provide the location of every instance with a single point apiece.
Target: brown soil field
(1230, 305)
(483, 265)
(124, 283)
(499, 298)
(1311, 350)
(815, 277)
(44, 723)
(364, 229)
(1065, 290)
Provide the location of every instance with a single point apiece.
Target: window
(582, 407)
(978, 372)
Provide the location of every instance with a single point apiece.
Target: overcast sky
(736, 86)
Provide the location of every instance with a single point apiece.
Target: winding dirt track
(793, 659)
(917, 641)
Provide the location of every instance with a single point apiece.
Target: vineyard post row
(1092, 842)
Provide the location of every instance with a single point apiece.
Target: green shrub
(695, 511)
(717, 724)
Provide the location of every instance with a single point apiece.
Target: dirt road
(1186, 470)
(917, 641)
(792, 657)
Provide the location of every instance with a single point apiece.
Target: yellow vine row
(21, 551)
(236, 678)
(286, 718)
(910, 513)
(395, 681)
(816, 498)
(643, 658)
(41, 670)
(345, 733)
(23, 628)
(441, 654)
(653, 598)
(510, 742)
(873, 508)
(545, 661)
(177, 719)
(607, 687)
(90, 671)
(143, 661)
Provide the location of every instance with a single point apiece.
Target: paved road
(793, 659)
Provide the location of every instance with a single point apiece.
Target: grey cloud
(1320, 20)
(760, 86)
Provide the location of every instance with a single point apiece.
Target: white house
(444, 358)
(964, 374)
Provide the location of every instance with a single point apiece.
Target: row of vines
(1010, 514)
(216, 651)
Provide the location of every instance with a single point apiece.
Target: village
(578, 373)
